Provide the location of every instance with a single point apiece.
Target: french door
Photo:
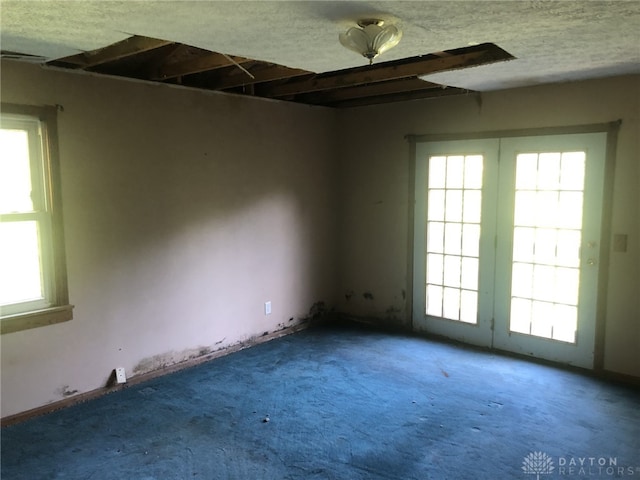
(506, 243)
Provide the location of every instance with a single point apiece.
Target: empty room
(329, 240)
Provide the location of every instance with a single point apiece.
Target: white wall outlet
(267, 308)
(121, 376)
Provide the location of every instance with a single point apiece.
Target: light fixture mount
(370, 21)
(371, 38)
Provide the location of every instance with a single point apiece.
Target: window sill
(35, 319)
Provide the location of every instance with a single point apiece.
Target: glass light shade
(371, 40)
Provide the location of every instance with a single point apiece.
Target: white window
(33, 290)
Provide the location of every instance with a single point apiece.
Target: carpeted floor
(342, 402)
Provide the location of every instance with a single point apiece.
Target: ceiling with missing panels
(298, 41)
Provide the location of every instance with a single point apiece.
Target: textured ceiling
(552, 40)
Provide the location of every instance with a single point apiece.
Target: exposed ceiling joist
(126, 48)
(164, 61)
(400, 97)
(252, 72)
(404, 85)
(200, 62)
(405, 68)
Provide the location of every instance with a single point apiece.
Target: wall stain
(163, 360)
(348, 295)
(171, 359)
(317, 310)
(65, 392)
(367, 295)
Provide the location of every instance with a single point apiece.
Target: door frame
(611, 129)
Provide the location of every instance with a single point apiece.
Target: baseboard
(134, 380)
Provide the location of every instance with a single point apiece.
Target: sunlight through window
(453, 236)
(546, 244)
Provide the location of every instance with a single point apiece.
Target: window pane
(523, 241)
(472, 206)
(469, 306)
(543, 283)
(520, 315)
(567, 285)
(436, 205)
(470, 273)
(525, 210)
(454, 206)
(452, 271)
(568, 249)
(20, 276)
(437, 170)
(565, 323)
(452, 238)
(549, 171)
(471, 240)
(473, 171)
(526, 171)
(434, 300)
(546, 209)
(570, 210)
(435, 237)
(572, 171)
(542, 320)
(545, 246)
(15, 173)
(451, 304)
(434, 268)
(455, 169)
(453, 211)
(522, 280)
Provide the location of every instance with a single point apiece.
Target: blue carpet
(342, 402)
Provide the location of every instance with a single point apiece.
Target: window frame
(48, 213)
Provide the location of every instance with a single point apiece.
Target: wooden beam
(125, 48)
(408, 67)
(400, 97)
(201, 63)
(363, 91)
(262, 72)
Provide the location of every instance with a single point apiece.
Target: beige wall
(374, 175)
(183, 213)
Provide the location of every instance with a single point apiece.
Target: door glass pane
(437, 172)
(452, 264)
(545, 274)
(435, 237)
(20, 269)
(453, 229)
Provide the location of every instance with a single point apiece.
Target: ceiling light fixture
(371, 39)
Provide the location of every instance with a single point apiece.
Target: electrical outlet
(267, 308)
(121, 376)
